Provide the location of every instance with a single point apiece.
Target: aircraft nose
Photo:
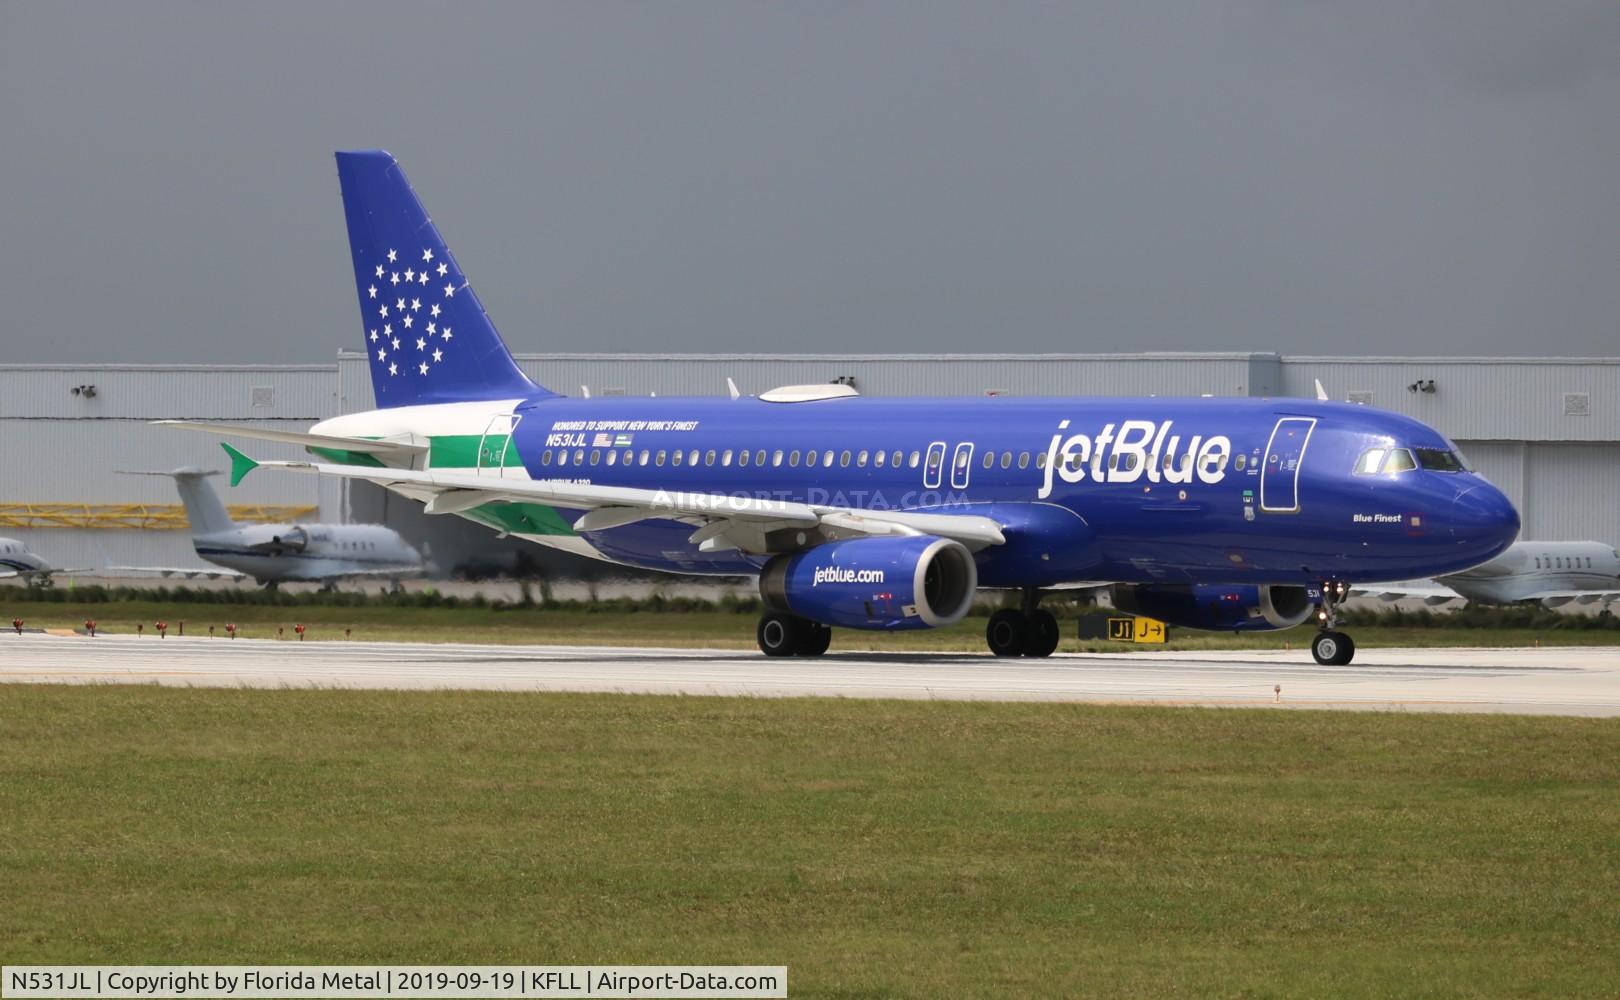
(1485, 519)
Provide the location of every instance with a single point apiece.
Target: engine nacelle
(916, 581)
(275, 539)
(1217, 608)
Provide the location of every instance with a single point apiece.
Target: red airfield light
(90, 627)
(230, 629)
(16, 623)
(299, 628)
(162, 629)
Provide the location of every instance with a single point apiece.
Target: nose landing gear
(1332, 648)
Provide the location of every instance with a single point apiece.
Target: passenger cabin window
(843, 458)
(826, 458)
(1023, 460)
(989, 459)
(811, 458)
(915, 458)
(742, 457)
(877, 459)
(1006, 460)
(793, 458)
(679, 457)
(860, 460)
(725, 457)
(708, 457)
(1238, 463)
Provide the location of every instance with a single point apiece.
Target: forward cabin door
(495, 444)
(1279, 476)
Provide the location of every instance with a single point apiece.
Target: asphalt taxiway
(1551, 681)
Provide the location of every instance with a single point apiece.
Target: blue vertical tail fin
(426, 334)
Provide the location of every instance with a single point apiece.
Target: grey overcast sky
(1372, 177)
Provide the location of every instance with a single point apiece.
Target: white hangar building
(1547, 431)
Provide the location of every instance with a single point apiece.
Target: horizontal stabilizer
(368, 445)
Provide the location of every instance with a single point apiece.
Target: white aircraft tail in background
(281, 553)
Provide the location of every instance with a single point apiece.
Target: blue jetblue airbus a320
(1223, 514)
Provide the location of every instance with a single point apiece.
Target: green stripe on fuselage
(344, 457)
(463, 451)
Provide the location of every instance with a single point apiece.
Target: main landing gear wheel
(780, 634)
(814, 640)
(1333, 649)
(1041, 635)
(1006, 632)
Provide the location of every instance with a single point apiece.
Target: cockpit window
(1369, 462)
(1399, 460)
(1440, 460)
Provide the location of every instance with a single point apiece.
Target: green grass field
(702, 626)
(876, 848)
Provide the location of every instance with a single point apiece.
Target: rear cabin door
(1279, 477)
(494, 446)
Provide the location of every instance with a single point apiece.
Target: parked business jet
(16, 561)
(1550, 573)
(281, 553)
(890, 513)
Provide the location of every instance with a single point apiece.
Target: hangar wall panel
(1504, 399)
(45, 392)
(72, 447)
(881, 375)
(1571, 492)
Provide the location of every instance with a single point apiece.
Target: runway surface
(1551, 681)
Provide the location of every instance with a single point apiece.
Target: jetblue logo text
(1138, 449)
(842, 574)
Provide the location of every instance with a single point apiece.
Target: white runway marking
(1553, 681)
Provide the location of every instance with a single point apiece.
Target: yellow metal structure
(139, 516)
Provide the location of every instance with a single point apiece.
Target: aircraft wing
(1559, 598)
(723, 522)
(188, 572)
(368, 446)
(6, 574)
(1429, 592)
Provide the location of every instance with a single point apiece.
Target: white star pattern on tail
(437, 338)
